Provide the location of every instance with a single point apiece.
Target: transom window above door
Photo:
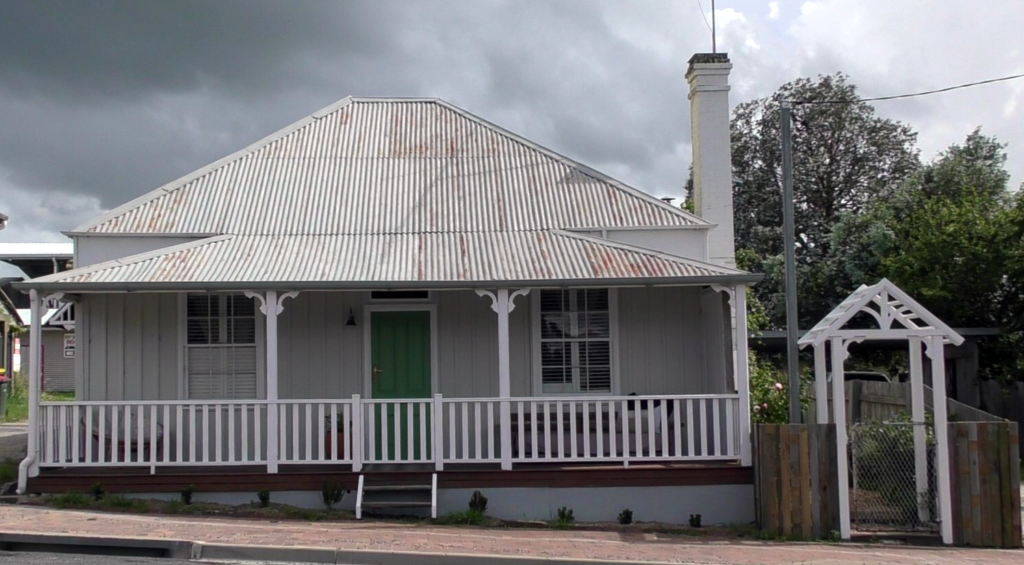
(575, 337)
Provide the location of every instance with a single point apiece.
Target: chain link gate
(892, 487)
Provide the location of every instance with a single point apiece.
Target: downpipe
(29, 466)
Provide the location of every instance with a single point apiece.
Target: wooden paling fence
(985, 461)
(796, 478)
(1006, 401)
(878, 402)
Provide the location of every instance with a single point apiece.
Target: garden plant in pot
(330, 434)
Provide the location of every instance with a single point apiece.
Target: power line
(913, 94)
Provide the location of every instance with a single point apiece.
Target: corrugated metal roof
(17, 250)
(390, 166)
(392, 258)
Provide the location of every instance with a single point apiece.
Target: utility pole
(792, 353)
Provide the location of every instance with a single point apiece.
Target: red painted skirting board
(312, 478)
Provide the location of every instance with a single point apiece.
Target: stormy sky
(101, 101)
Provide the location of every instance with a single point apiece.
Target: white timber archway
(897, 316)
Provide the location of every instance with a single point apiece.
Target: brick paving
(507, 542)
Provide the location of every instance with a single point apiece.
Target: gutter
(745, 278)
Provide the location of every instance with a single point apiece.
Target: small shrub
(478, 503)
(626, 517)
(834, 536)
(186, 494)
(69, 499)
(694, 520)
(98, 492)
(331, 494)
(174, 507)
(565, 518)
(264, 496)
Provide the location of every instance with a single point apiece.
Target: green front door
(400, 347)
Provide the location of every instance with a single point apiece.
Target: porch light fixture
(351, 318)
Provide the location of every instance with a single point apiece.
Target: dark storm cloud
(102, 101)
(117, 49)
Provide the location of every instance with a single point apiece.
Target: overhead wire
(912, 94)
(699, 4)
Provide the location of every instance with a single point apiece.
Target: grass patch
(463, 518)
(69, 500)
(17, 403)
(120, 502)
(302, 513)
(8, 471)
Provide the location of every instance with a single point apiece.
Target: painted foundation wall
(717, 504)
(669, 341)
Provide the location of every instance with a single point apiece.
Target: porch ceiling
(428, 260)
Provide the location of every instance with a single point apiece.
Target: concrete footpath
(402, 544)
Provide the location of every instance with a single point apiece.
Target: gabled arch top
(898, 315)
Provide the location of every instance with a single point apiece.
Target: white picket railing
(363, 431)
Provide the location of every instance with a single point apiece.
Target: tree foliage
(844, 159)
(949, 231)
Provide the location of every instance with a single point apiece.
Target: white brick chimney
(708, 76)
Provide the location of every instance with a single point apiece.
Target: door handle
(376, 374)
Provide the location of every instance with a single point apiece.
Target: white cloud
(773, 10)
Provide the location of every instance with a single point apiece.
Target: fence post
(437, 425)
(357, 434)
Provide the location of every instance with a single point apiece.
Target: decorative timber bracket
(495, 300)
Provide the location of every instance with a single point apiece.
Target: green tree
(845, 158)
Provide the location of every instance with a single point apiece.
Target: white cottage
(397, 293)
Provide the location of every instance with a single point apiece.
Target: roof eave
(738, 279)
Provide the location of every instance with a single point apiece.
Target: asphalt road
(33, 558)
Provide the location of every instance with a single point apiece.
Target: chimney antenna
(714, 42)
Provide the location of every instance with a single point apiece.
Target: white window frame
(535, 343)
(183, 346)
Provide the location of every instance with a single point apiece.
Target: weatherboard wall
(669, 341)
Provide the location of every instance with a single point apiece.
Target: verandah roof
(438, 260)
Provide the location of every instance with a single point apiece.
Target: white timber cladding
(669, 340)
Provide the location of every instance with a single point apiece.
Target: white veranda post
(503, 304)
(743, 374)
(271, 305)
